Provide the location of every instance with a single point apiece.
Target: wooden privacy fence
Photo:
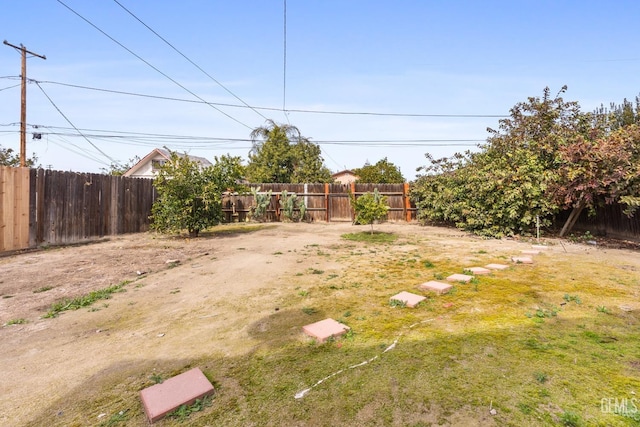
(51, 207)
(324, 202)
(14, 208)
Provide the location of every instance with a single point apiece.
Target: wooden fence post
(407, 201)
(353, 194)
(326, 200)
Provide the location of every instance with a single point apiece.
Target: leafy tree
(189, 197)
(383, 172)
(9, 158)
(118, 169)
(546, 156)
(369, 208)
(595, 170)
(281, 154)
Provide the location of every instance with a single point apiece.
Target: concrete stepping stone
(496, 266)
(460, 278)
(325, 329)
(522, 260)
(437, 287)
(540, 247)
(409, 299)
(478, 271)
(184, 389)
(530, 252)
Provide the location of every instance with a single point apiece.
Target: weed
(603, 309)
(346, 314)
(541, 377)
(184, 411)
(309, 310)
(43, 289)
(175, 291)
(397, 303)
(277, 253)
(332, 276)
(156, 378)
(19, 321)
(84, 300)
(438, 276)
(316, 271)
(428, 264)
(570, 419)
(575, 298)
(303, 293)
(7, 296)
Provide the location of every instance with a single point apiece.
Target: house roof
(346, 171)
(167, 155)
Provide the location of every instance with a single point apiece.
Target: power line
(74, 126)
(10, 87)
(363, 113)
(187, 58)
(151, 65)
(115, 134)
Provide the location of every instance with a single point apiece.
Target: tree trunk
(573, 217)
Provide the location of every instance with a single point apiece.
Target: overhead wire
(363, 113)
(74, 126)
(10, 87)
(151, 65)
(188, 59)
(115, 134)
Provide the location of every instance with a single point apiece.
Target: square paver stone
(522, 259)
(496, 266)
(530, 252)
(460, 278)
(184, 389)
(325, 329)
(478, 271)
(440, 288)
(410, 300)
(540, 247)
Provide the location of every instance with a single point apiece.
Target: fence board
(14, 208)
(324, 202)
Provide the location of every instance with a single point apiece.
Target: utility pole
(23, 101)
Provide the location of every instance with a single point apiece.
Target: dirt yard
(223, 283)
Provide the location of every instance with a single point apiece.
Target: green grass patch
(368, 237)
(19, 321)
(227, 230)
(84, 300)
(43, 289)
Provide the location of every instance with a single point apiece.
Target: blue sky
(394, 57)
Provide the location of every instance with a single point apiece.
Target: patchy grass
(368, 237)
(230, 230)
(84, 300)
(533, 343)
(19, 321)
